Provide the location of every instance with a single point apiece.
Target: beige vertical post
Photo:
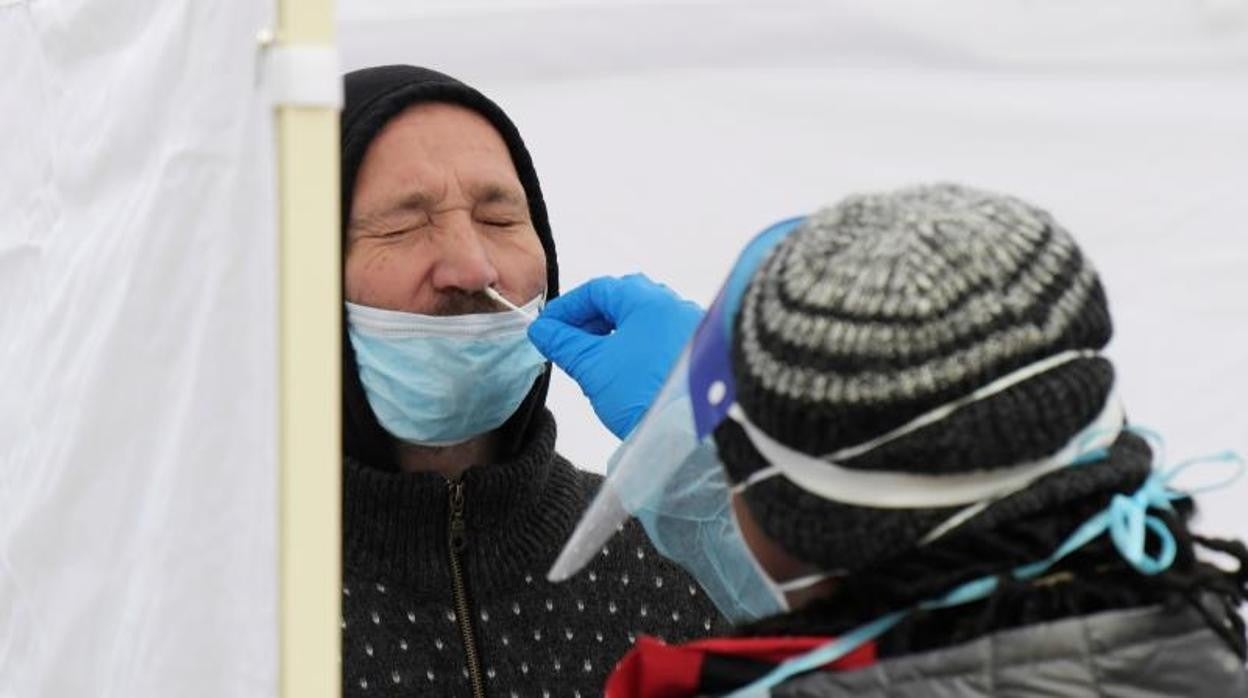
(309, 382)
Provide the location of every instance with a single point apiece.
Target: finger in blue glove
(618, 339)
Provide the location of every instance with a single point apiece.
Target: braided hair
(1092, 580)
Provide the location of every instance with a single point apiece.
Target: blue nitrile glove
(618, 338)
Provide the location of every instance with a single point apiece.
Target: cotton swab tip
(502, 300)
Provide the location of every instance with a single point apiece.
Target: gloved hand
(618, 338)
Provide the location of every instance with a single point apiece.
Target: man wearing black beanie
(455, 502)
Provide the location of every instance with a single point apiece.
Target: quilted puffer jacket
(1145, 652)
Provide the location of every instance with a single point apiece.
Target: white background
(667, 134)
(137, 351)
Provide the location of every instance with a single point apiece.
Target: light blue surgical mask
(695, 526)
(441, 380)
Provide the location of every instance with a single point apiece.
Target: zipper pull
(456, 531)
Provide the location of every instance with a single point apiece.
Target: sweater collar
(517, 515)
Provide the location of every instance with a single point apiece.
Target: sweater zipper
(457, 540)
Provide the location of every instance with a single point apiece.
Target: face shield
(669, 476)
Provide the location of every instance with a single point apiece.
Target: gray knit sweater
(403, 627)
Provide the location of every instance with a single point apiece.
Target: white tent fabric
(137, 351)
(666, 134)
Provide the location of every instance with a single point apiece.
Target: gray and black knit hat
(880, 308)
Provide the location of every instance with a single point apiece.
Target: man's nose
(463, 262)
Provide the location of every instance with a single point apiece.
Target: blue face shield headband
(441, 380)
(668, 475)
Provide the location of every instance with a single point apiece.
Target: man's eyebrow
(411, 201)
(499, 194)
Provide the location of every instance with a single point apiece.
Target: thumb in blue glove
(618, 338)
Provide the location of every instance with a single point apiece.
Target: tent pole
(310, 462)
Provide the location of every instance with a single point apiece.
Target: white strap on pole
(307, 75)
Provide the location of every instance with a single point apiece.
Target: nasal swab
(498, 297)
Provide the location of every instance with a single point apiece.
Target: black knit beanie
(886, 306)
(373, 97)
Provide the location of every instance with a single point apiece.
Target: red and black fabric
(654, 669)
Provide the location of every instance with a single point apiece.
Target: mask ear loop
(807, 581)
(1085, 453)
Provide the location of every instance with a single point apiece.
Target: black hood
(373, 97)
